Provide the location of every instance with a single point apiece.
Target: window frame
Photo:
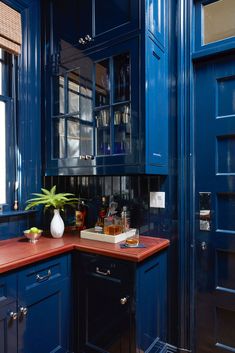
(28, 108)
(10, 101)
(201, 49)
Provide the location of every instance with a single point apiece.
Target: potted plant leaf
(49, 198)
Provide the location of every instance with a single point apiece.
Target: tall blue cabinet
(105, 84)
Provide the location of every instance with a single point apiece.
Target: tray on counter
(92, 235)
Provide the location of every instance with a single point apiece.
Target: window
(218, 21)
(10, 48)
(3, 150)
(7, 123)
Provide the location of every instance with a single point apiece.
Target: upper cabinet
(105, 87)
(86, 24)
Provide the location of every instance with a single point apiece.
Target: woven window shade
(10, 29)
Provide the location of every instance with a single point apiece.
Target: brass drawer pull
(104, 273)
(43, 278)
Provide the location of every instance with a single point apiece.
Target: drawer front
(43, 274)
(7, 289)
(106, 268)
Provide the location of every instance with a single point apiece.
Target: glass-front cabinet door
(116, 106)
(72, 118)
(94, 111)
(113, 105)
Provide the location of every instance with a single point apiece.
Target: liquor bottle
(125, 216)
(80, 216)
(99, 226)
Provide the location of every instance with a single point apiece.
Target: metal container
(32, 237)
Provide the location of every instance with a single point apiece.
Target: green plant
(49, 198)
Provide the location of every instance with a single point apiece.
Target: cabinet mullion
(111, 68)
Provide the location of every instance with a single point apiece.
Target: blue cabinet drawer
(43, 274)
(106, 268)
(7, 289)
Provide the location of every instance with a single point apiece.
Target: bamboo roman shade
(10, 29)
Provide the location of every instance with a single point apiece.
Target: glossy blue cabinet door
(35, 314)
(44, 328)
(89, 23)
(156, 109)
(155, 19)
(8, 308)
(8, 329)
(151, 301)
(44, 306)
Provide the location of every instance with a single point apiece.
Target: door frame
(185, 178)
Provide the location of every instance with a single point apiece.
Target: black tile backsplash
(132, 191)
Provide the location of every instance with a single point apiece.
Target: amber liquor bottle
(99, 227)
(80, 216)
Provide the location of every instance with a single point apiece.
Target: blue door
(214, 133)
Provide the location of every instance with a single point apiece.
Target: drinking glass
(133, 240)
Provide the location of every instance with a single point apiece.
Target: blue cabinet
(37, 318)
(87, 24)
(122, 305)
(106, 100)
(8, 314)
(95, 125)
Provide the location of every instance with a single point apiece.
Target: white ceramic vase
(57, 225)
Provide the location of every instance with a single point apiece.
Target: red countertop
(18, 252)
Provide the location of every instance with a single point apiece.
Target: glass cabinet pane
(86, 140)
(122, 129)
(121, 77)
(86, 103)
(85, 65)
(73, 137)
(103, 144)
(58, 138)
(102, 86)
(58, 95)
(73, 91)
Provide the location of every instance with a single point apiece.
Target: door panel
(8, 329)
(47, 316)
(214, 172)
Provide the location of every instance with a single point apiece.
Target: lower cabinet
(122, 305)
(39, 319)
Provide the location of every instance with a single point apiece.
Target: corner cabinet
(106, 100)
(35, 308)
(122, 305)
